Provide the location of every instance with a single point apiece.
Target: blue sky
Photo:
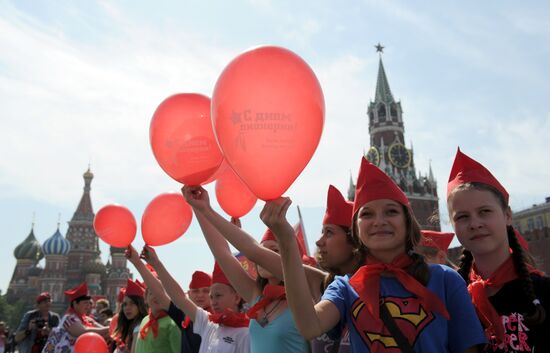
(79, 82)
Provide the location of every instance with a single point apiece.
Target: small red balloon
(268, 114)
(90, 342)
(115, 225)
(165, 219)
(233, 195)
(183, 140)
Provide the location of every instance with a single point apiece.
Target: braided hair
(536, 315)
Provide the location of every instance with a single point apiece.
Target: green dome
(29, 249)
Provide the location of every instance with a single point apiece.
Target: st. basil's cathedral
(69, 260)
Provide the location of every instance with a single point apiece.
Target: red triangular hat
(436, 240)
(268, 235)
(121, 295)
(200, 280)
(467, 170)
(218, 276)
(339, 210)
(373, 184)
(80, 291)
(134, 288)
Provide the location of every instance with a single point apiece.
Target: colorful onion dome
(56, 244)
(29, 249)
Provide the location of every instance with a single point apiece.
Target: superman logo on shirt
(409, 315)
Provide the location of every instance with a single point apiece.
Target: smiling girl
(512, 298)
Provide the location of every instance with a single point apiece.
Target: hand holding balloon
(274, 216)
(150, 256)
(197, 197)
(131, 254)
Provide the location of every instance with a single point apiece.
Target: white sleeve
(244, 342)
(202, 326)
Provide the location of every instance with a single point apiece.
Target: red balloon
(221, 169)
(115, 225)
(165, 219)
(233, 195)
(268, 115)
(90, 342)
(183, 140)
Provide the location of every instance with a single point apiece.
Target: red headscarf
(229, 318)
(366, 282)
(152, 323)
(478, 290)
(270, 294)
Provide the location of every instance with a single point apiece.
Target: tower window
(393, 112)
(382, 112)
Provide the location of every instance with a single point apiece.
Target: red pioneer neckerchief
(366, 282)
(270, 294)
(85, 319)
(478, 287)
(229, 318)
(152, 323)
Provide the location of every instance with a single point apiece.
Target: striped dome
(29, 249)
(56, 245)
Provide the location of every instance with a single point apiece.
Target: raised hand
(274, 215)
(196, 196)
(150, 256)
(131, 254)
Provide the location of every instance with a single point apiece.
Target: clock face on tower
(373, 156)
(399, 155)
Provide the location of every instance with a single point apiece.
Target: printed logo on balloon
(268, 115)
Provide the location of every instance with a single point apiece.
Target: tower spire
(84, 211)
(383, 92)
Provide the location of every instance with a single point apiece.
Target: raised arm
(311, 320)
(243, 241)
(175, 292)
(154, 285)
(245, 286)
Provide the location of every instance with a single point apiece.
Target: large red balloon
(182, 138)
(233, 195)
(115, 225)
(221, 170)
(165, 219)
(268, 115)
(90, 342)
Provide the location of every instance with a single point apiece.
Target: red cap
(339, 211)
(218, 276)
(134, 288)
(77, 292)
(268, 235)
(373, 184)
(200, 280)
(121, 295)
(466, 170)
(436, 240)
(43, 296)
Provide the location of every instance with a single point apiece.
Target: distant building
(69, 261)
(388, 152)
(534, 224)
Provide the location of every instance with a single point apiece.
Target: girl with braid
(395, 302)
(511, 297)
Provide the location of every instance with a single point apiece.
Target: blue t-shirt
(430, 332)
(278, 336)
